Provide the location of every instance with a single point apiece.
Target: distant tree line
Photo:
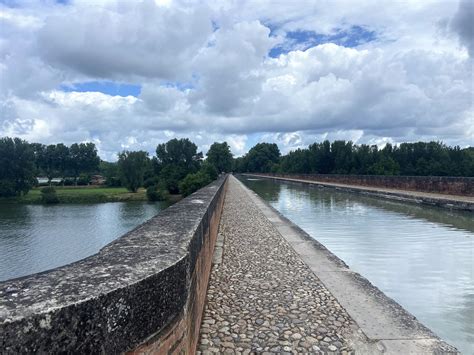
(21, 162)
(178, 167)
(344, 157)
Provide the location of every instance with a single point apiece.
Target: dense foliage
(220, 157)
(193, 182)
(132, 167)
(17, 167)
(48, 195)
(262, 158)
(178, 167)
(174, 160)
(58, 160)
(342, 157)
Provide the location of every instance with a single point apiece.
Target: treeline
(344, 157)
(177, 167)
(21, 162)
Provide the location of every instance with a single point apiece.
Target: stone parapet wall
(463, 186)
(142, 293)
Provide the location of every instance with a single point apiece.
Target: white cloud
(213, 84)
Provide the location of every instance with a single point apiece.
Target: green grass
(85, 194)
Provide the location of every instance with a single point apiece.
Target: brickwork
(463, 186)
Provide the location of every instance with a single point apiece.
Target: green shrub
(83, 180)
(48, 190)
(48, 195)
(113, 182)
(151, 181)
(68, 182)
(154, 193)
(193, 182)
(7, 188)
(210, 170)
(171, 175)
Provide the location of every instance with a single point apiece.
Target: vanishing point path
(262, 297)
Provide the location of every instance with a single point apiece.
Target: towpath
(274, 289)
(261, 296)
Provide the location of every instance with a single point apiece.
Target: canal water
(423, 257)
(36, 238)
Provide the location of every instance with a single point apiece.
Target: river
(35, 238)
(421, 256)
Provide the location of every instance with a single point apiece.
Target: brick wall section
(463, 186)
(143, 293)
(183, 334)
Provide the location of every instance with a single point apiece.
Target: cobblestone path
(262, 298)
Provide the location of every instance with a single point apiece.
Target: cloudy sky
(132, 74)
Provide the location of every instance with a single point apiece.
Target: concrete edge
(443, 202)
(387, 327)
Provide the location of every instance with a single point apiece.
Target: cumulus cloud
(205, 72)
(462, 24)
(125, 40)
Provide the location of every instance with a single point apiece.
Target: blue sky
(302, 40)
(133, 75)
(106, 87)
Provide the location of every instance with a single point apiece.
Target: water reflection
(35, 238)
(419, 255)
(330, 199)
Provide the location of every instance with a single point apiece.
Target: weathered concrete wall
(143, 293)
(463, 186)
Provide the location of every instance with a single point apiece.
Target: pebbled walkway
(262, 298)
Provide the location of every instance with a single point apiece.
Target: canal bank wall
(383, 325)
(143, 293)
(462, 186)
(456, 202)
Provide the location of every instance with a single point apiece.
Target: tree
(179, 152)
(61, 160)
(174, 160)
(220, 156)
(17, 167)
(83, 159)
(132, 167)
(262, 157)
(47, 162)
(110, 171)
(193, 182)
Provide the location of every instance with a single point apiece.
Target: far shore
(86, 194)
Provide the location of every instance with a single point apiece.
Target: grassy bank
(84, 194)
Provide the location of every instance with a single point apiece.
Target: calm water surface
(36, 238)
(423, 257)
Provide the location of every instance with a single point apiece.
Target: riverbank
(273, 289)
(456, 202)
(86, 194)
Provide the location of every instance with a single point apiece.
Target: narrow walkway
(262, 298)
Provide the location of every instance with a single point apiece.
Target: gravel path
(262, 298)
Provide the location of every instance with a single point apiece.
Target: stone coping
(113, 300)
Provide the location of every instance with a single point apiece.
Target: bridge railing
(144, 292)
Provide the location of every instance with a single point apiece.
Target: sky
(128, 75)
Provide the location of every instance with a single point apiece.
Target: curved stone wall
(144, 292)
